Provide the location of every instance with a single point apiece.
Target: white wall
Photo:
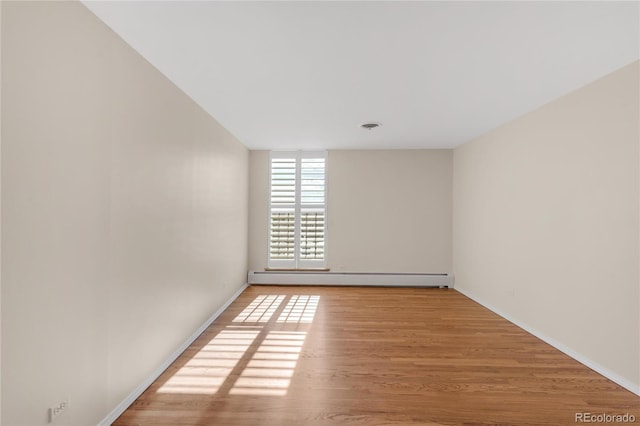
(124, 215)
(546, 223)
(388, 210)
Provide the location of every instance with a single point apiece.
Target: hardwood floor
(371, 356)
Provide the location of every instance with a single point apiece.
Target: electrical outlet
(58, 409)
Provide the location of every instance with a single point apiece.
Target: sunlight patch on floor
(261, 309)
(271, 368)
(246, 359)
(299, 309)
(207, 371)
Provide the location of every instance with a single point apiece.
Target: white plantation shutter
(297, 231)
(283, 202)
(312, 210)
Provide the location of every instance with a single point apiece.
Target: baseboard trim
(630, 386)
(122, 406)
(351, 279)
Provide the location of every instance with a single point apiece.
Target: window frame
(297, 262)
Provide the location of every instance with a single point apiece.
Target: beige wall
(546, 223)
(124, 215)
(258, 209)
(388, 210)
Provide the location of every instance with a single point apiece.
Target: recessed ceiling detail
(297, 75)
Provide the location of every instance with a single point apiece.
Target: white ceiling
(305, 75)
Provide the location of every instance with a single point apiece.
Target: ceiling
(305, 75)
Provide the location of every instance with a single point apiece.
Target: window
(297, 231)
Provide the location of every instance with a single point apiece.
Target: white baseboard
(627, 384)
(351, 279)
(122, 406)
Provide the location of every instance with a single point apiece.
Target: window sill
(297, 269)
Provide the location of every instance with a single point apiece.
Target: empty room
(319, 213)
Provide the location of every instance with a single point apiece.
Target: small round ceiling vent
(370, 126)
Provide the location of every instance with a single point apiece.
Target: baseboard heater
(440, 280)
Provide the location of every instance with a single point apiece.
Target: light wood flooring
(371, 356)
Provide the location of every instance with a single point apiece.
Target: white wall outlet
(55, 411)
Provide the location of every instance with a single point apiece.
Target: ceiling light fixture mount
(370, 126)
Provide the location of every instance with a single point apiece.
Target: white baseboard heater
(441, 280)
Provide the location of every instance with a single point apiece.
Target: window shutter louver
(283, 182)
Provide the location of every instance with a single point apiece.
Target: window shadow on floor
(254, 355)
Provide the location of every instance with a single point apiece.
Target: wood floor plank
(371, 356)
